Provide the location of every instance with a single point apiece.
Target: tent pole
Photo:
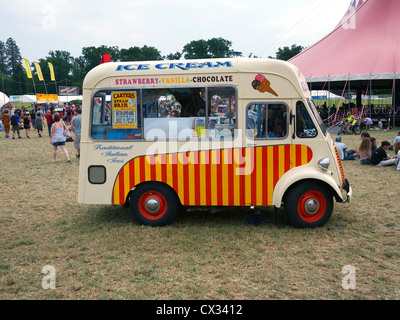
(370, 94)
(394, 101)
(350, 98)
(329, 102)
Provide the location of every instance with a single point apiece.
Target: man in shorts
(76, 123)
(15, 124)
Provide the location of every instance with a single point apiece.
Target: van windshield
(316, 115)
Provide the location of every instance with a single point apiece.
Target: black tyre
(308, 205)
(154, 204)
(357, 129)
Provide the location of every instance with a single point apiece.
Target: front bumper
(349, 191)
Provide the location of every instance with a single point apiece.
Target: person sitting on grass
(397, 151)
(373, 144)
(365, 152)
(343, 152)
(364, 135)
(379, 157)
(395, 141)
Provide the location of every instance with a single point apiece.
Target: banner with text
(46, 97)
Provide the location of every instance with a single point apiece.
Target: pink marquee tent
(362, 51)
(365, 45)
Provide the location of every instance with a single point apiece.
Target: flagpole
(45, 88)
(34, 87)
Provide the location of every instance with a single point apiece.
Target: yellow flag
(27, 68)
(39, 71)
(52, 76)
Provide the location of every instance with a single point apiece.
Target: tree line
(70, 71)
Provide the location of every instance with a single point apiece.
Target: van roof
(192, 67)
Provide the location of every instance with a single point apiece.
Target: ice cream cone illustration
(262, 84)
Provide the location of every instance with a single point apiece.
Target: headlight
(324, 163)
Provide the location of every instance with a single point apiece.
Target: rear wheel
(154, 204)
(308, 205)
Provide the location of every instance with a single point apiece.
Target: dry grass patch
(99, 252)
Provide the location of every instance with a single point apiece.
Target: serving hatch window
(184, 113)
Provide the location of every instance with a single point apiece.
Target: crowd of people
(382, 115)
(57, 121)
(369, 153)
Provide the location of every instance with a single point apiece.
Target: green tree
(213, 48)
(174, 56)
(77, 71)
(3, 58)
(14, 67)
(62, 64)
(92, 55)
(287, 53)
(140, 54)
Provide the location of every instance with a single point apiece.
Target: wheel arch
(300, 175)
(130, 193)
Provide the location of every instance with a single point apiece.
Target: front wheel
(154, 204)
(357, 129)
(308, 205)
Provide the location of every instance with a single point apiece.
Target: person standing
(76, 123)
(49, 120)
(15, 124)
(39, 124)
(27, 124)
(33, 116)
(5, 118)
(57, 137)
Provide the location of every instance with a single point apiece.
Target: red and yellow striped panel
(340, 164)
(226, 177)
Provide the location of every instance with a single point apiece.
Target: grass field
(99, 252)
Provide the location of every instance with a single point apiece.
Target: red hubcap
(152, 205)
(311, 206)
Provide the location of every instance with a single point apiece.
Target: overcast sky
(257, 27)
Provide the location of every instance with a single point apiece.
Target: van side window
(189, 113)
(222, 119)
(267, 121)
(115, 115)
(174, 113)
(304, 126)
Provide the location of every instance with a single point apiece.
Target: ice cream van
(238, 132)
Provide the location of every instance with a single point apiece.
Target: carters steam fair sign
(124, 109)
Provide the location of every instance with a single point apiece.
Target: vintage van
(158, 135)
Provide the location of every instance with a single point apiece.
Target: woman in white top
(57, 137)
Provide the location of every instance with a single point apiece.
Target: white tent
(65, 99)
(3, 99)
(324, 95)
(23, 98)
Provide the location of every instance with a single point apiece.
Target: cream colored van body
(246, 134)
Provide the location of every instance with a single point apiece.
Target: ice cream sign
(262, 84)
(124, 109)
